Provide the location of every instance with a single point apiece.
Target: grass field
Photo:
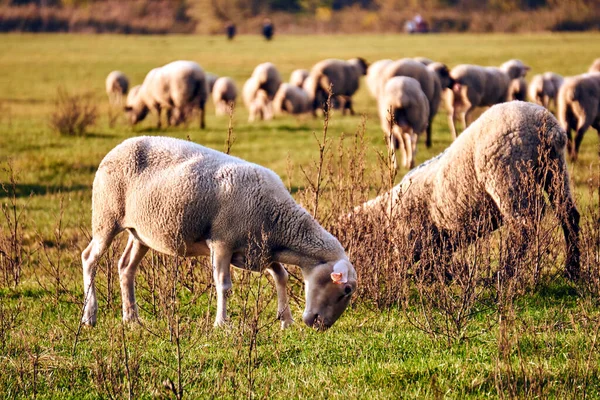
(549, 348)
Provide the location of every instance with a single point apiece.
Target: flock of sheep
(181, 198)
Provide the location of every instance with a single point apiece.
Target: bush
(73, 114)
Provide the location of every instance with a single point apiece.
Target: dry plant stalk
(73, 114)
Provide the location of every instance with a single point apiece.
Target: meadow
(540, 343)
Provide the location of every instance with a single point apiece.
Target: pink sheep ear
(337, 277)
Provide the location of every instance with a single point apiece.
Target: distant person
(230, 30)
(268, 30)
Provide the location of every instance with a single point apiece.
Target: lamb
(224, 94)
(176, 87)
(595, 67)
(117, 86)
(403, 100)
(298, 77)
(291, 99)
(256, 101)
(544, 88)
(342, 77)
(476, 185)
(204, 202)
(373, 76)
(579, 108)
(476, 86)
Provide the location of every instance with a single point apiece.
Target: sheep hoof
(222, 323)
(286, 323)
(89, 320)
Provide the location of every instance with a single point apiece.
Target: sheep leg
(578, 139)
(89, 261)
(407, 141)
(451, 119)
(428, 142)
(348, 105)
(158, 109)
(169, 113)
(221, 260)
(203, 114)
(280, 276)
(133, 254)
(393, 145)
(466, 118)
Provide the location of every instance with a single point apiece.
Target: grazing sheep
(298, 77)
(176, 87)
(373, 76)
(117, 86)
(544, 88)
(291, 99)
(256, 101)
(579, 108)
(404, 102)
(595, 67)
(517, 90)
(433, 79)
(180, 198)
(341, 76)
(268, 78)
(210, 82)
(476, 86)
(224, 94)
(477, 184)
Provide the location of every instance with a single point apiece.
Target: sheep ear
(340, 272)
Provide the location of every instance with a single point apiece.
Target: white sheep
(403, 113)
(476, 86)
(432, 78)
(224, 94)
(342, 77)
(544, 88)
(579, 108)
(256, 101)
(480, 178)
(373, 76)
(517, 90)
(177, 87)
(117, 86)
(595, 67)
(268, 78)
(180, 198)
(298, 76)
(291, 99)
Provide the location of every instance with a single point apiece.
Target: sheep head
(329, 288)
(515, 69)
(135, 108)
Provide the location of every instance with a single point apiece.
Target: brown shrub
(73, 114)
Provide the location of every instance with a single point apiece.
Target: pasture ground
(369, 353)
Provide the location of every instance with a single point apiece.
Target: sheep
(268, 78)
(433, 79)
(298, 76)
(480, 178)
(595, 67)
(339, 76)
(579, 108)
(224, 94)
(183, 199)
(117, 86)
(176, 87)
(517, 89)
(291, 99)
(210, 82)
(423, 60)
(544, 88)
(256, 101)
(404, 102)
(373, 76)
(476, 86)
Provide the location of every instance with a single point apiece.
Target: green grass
(367, 354)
